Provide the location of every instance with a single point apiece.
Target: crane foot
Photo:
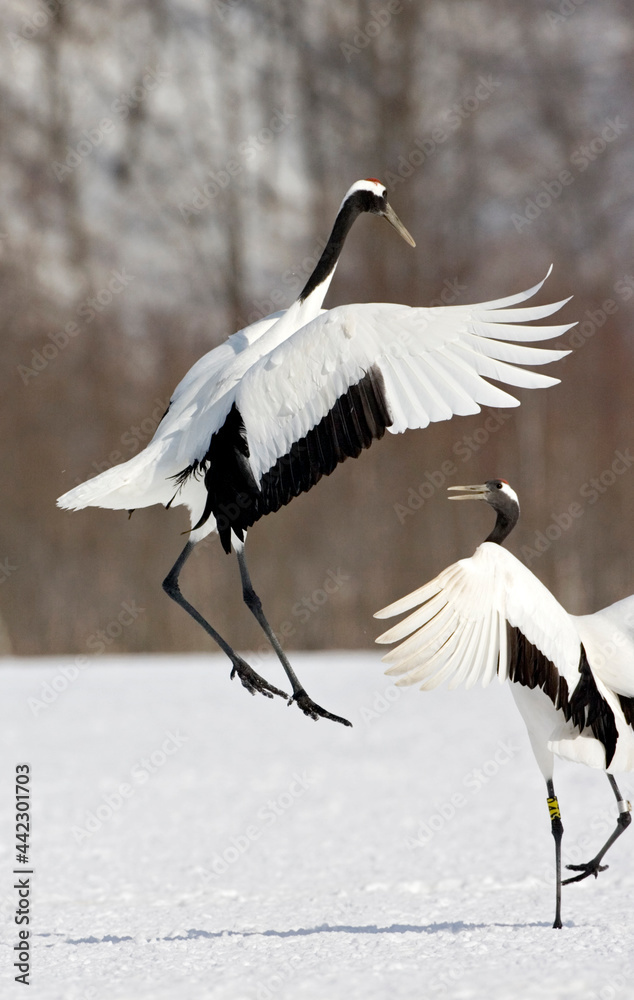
(252, 681)
(587, 869)
(313, 710)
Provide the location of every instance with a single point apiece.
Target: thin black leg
(250, 680)
(253, 602)
(625, 818)
(557, 830)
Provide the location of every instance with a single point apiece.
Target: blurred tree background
(170, 169)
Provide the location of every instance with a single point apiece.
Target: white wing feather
(433, 363)
(458, 631)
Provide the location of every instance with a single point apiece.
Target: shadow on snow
(456, 927)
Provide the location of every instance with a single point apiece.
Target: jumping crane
(261, 418)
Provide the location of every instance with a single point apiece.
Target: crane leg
(557, 830)
(253, 602)
(625, 818)
(250, 680)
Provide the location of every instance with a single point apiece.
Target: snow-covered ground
(190, 841)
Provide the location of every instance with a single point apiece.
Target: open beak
(470, 492)
(394, 221)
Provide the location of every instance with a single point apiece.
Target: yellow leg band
(553, 808)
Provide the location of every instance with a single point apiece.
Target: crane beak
(394, 221)
(472, 492)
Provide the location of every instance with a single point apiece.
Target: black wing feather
(586, 708)
(237, 500)
(357, 418)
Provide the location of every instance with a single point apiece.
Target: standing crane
(490, 616)
(263, 417)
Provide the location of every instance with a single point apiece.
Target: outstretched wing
(489, 615)
(343, 379)
(480, 617)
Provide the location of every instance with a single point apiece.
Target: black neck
(504, 524)
(350, 209)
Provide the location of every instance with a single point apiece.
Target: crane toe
(252, 681)
(313, 710)
(589, 868)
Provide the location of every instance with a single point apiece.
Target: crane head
(371, 196)
(495, 492)
(499, 495)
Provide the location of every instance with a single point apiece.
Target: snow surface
(255, 854)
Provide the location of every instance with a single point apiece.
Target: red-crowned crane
(490, 616)
(263, 417)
